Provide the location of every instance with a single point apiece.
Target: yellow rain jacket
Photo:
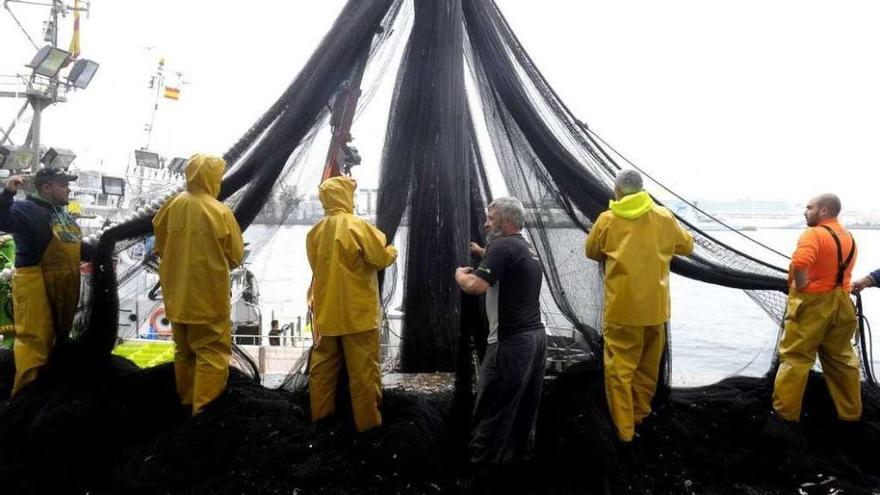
(198, 241)
(345, 253)
(637, 239)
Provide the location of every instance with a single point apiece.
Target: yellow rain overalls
(636, 240)
(820, 319)
(45, 298)
(199, 241)
(345, 254)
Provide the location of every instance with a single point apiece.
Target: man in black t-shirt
(512, 373)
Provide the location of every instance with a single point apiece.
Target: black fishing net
(122, 430)
(466, 99)
(427, 167)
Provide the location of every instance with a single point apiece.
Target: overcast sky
(747, 99)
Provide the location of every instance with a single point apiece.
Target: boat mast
(38, 95)
(157, 82)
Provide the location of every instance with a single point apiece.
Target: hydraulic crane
(342, 155)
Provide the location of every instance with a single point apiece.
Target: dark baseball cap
(46, 175)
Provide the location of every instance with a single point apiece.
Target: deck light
(15, 157)
(144, 158)
(49, 60)
(82, 73)
(58, 158)
(113, 186)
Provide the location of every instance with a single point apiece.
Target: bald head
(822, 207)
(829, 201)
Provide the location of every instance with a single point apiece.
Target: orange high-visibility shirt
(817, 253)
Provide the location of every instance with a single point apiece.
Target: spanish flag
(172, 93)
(74, 41)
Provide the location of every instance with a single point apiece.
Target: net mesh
(467, 100)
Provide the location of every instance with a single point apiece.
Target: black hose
(866, 343)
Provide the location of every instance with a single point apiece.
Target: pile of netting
(466, 99)
(121, 429)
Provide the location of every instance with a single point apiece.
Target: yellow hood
(632, 205)
(204, 174)
(345, 253)
(337, 195)
(198, 241)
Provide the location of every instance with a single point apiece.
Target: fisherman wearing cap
(198, 241)
(48, 249)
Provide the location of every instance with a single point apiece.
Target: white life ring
(160, 322)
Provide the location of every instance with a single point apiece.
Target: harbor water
(715, 331)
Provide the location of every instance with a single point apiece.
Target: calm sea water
(716, 332)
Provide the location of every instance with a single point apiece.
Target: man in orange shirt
(820, 316)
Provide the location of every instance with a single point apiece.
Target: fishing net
(466, 100)
(466, 97)
(120, 429)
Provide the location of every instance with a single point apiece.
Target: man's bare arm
(470, 283)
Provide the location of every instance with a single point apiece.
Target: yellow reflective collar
(632, 205)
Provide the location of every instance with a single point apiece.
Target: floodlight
(15, 157)
(177, 165)
(144, 158)
(113, 186)
(58, 158)
(49, 60)
(82, 73)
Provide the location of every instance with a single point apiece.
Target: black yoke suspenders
(841, 263)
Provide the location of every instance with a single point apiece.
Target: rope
(23, 30)
(685, 201)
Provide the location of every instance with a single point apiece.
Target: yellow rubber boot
(34, 334)
(365, 382)
(622, 353)
(212, 345)
(840, 363)
(184, 363)
(644, 383)
(323, 373)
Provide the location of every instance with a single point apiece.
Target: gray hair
(511, 209)
(628, 181)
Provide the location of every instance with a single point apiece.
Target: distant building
(292, 209)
